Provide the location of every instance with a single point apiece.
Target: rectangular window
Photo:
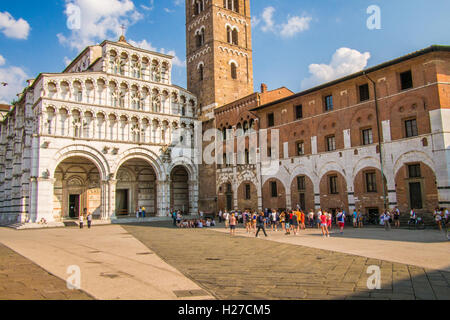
(406, 80)
(331, 143)
(301, 183)
(299, 112)
(371, 184)
(273, 189)
(269, 152)
(414, 171)
(367, 136)
(270, 120)
(364, 92)
(333, 184)
(247, 192)
(328, 103)
(411, 128)
(300, 148)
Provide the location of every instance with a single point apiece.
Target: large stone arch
(413, 156)
(279, 202)
(82, 151)
(243, 202)
(143, 154)
(363, 163)
(428, 189)
(76, 186)
(187, 164)
(366, 199)
(331, 166)
(329, 201)
(303, 170)
(304, 196)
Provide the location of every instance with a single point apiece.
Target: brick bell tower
(219, 68)
(219, 52)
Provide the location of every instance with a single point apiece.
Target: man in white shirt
(311, 218)
(226, 216)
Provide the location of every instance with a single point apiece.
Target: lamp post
(379, 137)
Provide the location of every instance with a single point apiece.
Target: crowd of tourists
(293, 221)
(180, 222)
(287, 221)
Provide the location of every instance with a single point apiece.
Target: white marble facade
(110, 120)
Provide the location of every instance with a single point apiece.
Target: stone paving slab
(21, 279)
(246, 268)
(113, 264)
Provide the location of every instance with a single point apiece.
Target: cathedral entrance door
(74, 205)
(122, 202)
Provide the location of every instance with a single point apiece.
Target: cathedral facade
(110, 134)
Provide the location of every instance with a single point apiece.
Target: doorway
(122, 202)
(74, 205)
(415, 195)
(302, 200)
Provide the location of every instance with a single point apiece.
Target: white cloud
(345, 61)
(67, 61)
(293, 26)
(142, 44)
(12, 28)
(16, 79)
(267, 17)
(99, 20)
(148, 46)
(150, 7)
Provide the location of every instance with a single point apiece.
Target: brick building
(329, 152)
(323, 144)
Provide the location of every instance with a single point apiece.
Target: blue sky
(296, 43)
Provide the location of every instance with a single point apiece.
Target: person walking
(233, 222)
(360, 219)
(294, 222)
(81, 219)
(274, 220)
(412, 217)
(318, 219)
(387, 220)
(396, 218)
(340, 219)
(88, 218)
(355, 218)
(311, 218)
(438, 218)
(283, 221)
(226, 217)
(324, 225)
(261, 222)
(220, 216)
(288, 223)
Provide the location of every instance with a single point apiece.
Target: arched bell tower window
(233, 70)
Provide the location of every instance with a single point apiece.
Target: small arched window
(201, 72)
(234, 37)
(233, 71)
(229, 35)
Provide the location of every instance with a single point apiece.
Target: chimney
(263, 87)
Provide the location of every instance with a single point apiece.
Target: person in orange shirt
(303, 220)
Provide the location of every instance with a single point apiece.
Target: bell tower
(219, 52)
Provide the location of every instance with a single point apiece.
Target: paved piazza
(156, 261)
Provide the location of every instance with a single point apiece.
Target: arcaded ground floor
(142, 262)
